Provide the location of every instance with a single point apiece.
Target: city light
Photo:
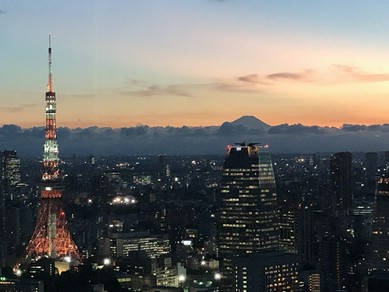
(67, 259)
(181, 278)
(123, 200)
(107, 262)
(217, 276)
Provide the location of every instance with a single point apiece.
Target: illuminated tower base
(51, 237)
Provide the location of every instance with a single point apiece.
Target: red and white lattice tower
(51, 237)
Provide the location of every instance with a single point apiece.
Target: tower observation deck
(51, 238)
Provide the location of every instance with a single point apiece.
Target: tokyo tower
(51, 237)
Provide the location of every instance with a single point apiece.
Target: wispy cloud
(137, 88)
(252, 83)
(356, 74)
(17, 109)
(78, 95)
(255, 79)
(140, 88)
(252, 79)
(305, 75)
(2, 11)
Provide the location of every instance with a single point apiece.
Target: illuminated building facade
(51, 237)
(21, 285)
(248, 214)
(10, 172)
(267, 271)
(121, 244)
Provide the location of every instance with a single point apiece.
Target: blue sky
(199, 62)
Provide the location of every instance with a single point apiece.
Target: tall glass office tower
(248, 214)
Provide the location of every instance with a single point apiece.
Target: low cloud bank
(143, 140)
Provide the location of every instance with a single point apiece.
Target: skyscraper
(9, 172)
(371, 167)
(341, 179)
(9, 214)
(51, 237)
(380, 226)
(248, 215)
(333, 243)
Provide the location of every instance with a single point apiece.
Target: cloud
(256, 79)
(253, 79)
(196, 140)
(253, 82)
(356, 74)
(17, 109)
(78, 95)
(384, 128)
(3, 11)
(299, 129)
(231, 86)
(301, 76)
(138, 88)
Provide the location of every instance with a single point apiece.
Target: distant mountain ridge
(144, 140)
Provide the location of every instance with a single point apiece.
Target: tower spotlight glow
(67, 259)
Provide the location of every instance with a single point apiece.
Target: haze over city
(195, 63)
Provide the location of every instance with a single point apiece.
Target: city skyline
(195, 63)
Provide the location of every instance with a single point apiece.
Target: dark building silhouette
(10, 230)
(248, 215)
(371, 164)
(380, 226)
(378, 282)
(341, 179)
(371, 167)
(307, 248)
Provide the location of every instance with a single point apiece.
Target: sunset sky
(196, 62)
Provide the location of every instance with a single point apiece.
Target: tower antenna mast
(50, 81)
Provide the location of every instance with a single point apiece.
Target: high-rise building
(371, 164)
(9, 173)
(267, 271)
(306, 237)
(288, 225)
(380, 226)
(51, 238)
(371, 169)
(248, 214)
(341, 179)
